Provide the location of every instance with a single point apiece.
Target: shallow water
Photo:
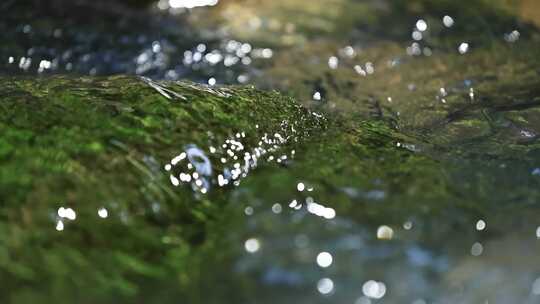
(410, 174)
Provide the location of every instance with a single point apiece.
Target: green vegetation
(440, 139)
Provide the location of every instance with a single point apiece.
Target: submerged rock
(99, 148)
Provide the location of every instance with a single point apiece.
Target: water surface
(400, 164)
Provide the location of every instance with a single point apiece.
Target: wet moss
(89, 143)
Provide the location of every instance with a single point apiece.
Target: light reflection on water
(391, 264)
(165, 48)
(302, 250)
(226, 164)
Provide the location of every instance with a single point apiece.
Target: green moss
(89, 143)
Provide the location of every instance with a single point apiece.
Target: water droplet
(67, 213)
(480, 225)
(59, 225)
(103, 213)
(463, 48)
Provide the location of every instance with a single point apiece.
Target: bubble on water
(463, 48)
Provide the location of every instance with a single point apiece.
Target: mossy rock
(92, 143)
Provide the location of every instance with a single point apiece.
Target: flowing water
(400, 162)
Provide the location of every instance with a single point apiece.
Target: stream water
(406, 171)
